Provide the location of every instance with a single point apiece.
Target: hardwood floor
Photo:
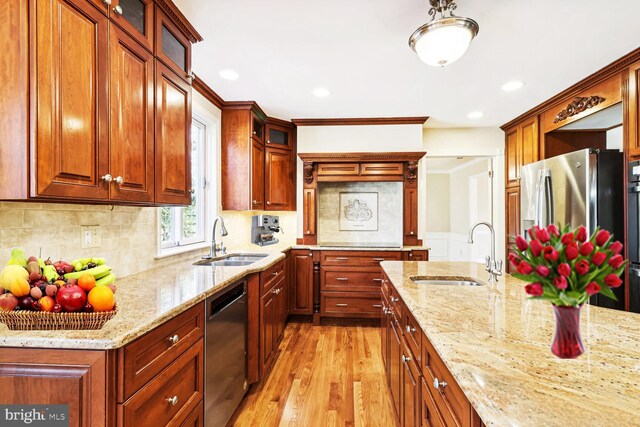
(324, 376)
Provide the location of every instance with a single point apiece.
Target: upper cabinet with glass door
(279, 136)
(133, 16)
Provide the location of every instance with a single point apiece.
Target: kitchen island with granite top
(473, 355)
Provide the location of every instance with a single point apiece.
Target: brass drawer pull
(341, 258)
(342, 305)
(342, 279)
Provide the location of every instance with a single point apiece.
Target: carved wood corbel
(308, 172)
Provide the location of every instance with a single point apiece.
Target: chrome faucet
(213, 251)
(492, 265)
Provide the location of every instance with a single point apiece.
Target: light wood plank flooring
(324, 376)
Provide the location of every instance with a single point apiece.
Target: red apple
(8, 302)
(71, 297)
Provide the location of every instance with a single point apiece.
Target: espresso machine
(264, 228)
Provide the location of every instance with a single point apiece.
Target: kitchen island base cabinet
(57, 377)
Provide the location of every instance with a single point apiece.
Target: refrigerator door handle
(539, 197)
(548, 188)
(634, 272)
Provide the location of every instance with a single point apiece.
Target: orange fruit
(102, 298)
(87, 282)
(47, 303)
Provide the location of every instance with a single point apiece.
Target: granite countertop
(496, 343)
(148, 299)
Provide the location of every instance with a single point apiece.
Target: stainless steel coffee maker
(263, 229)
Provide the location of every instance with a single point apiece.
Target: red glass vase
(567, 343)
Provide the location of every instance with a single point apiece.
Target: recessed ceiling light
(512, 85)
(475, 115)
(321, 92)
(229, 75)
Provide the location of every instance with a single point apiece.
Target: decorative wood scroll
(577, 106)
(308, 172)
(412, 171)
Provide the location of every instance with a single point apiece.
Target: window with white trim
(184, 228)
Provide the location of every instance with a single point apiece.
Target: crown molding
(361, 157)
(206, 91)
(180, 20)
(365, 121)
(576, 89)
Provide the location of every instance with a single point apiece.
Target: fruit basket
(38, 294)
(38, 320)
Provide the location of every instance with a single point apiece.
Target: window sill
(177, 250)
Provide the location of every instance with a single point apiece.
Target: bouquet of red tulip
(568, 267)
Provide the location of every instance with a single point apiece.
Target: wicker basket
(47, 321)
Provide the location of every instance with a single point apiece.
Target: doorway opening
(459, 193)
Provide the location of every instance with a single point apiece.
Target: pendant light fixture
(446, 38)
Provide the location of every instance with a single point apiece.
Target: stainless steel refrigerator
(580, 188)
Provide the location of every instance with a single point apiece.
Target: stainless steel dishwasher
(225, 354)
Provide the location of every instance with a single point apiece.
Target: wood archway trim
(361, 167)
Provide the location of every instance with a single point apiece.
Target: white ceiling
(283, 49)
(448, 164)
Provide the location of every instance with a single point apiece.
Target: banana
(106, 280)
(97, 272)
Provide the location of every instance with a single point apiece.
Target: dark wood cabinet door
(279, 180)
(529, 140)
(281, 308)
(411, 212)
(267, 326)
(171, 46)
(512, 217)
(70, 104)
(634, 112)
(73, 377)
(136, 18)
(410, 389)
(301, 292)
(513, 156)
(131, 112)
(395, 368)
(173, 138)
(257, 175)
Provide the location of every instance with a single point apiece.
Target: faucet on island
(213, 251)
(493, 266)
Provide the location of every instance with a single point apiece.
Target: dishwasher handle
(217, 305)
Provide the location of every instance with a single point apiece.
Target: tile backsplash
(390, 205)
(128, 234)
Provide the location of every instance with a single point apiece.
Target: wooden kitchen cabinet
(70, 78)
(279, 179)
(172, 46)
(410, 388)
(521, 146)
(273, 309)
(411, 212)
(173, 138)
(512, 214)
(131, 104)
(57, 377)
(258, 160)
(415, 255)
(301, 284)
(103, 120)
(395, 365)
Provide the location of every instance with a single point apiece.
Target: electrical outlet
(91, 236)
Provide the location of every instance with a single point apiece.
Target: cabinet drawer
(144, 358)
(350, 304)
(332, 169)
(195, 418)
(271, 276)
(453, 405)
(381, 168)
(358, 258)
(429, 413)
(171, 396)
(350, 279)
(413, 334)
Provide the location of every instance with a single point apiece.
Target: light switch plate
(90, 236)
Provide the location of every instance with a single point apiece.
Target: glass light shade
(444, 41)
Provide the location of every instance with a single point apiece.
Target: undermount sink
(443, 281)
(231, 260)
